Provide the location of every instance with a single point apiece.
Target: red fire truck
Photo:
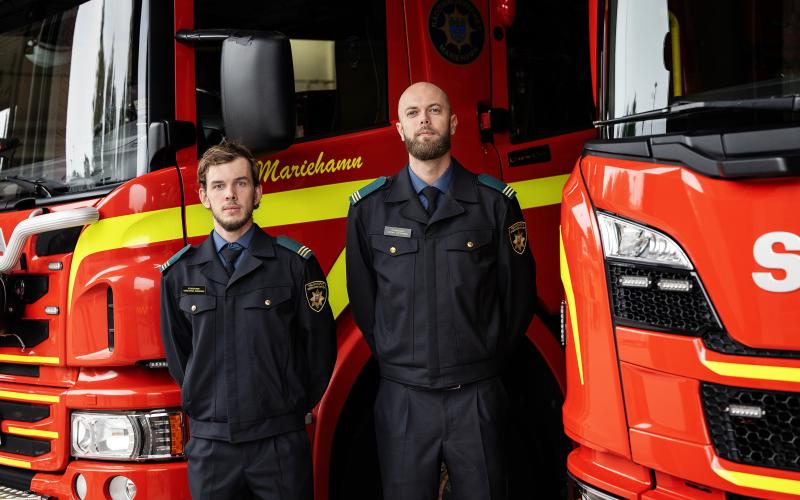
(679, 256)
(105, 107)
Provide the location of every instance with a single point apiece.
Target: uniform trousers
(417, 429)
(273, 468)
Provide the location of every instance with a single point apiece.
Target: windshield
(664, 51)
(72, 113)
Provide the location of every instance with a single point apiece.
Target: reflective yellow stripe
(125, 231)
(777, 373)
(570, 296)
(766, 483)
(337, 286)
(287, 207)
(29, 397)
(38, 360)
(540, 192)
(19, 431)
(15, 463)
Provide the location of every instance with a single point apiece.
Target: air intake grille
(679, 312)
(771, 440)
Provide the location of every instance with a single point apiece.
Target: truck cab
(105, 108)
(679, 256)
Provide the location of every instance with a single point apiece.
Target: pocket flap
(194, 304)
(266, 298)
(468, 241)
(393, 245)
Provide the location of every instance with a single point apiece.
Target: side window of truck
(339, 53)
(549, 80)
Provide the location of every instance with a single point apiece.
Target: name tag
(400, 232)
(193, 290)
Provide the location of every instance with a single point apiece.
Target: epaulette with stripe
(301, 250)
(175, 258)
(366, 190)
(498, 185)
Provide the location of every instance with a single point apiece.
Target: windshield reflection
(70, 98)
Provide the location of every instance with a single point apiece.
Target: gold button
(267, 302)
(470, 244)
(194, 308)
(392, 250)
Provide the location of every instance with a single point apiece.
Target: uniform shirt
(252, 352)
(243, 241)
(442, 184)
(439, 300)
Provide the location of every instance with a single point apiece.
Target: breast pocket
(199, 309)
(394, 261)
(471, 262)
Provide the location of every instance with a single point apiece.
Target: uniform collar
(261, 245)
(443, 183)
(462, 187)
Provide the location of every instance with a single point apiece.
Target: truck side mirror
(257, 81)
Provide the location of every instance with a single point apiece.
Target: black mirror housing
(258, 101)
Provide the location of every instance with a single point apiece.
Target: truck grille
(34, 429)
(738, 432)
(720, 341)
(679, 312)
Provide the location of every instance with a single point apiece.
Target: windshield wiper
(40, 188)
(785, 103)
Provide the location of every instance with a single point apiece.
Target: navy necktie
(230, 252)
(431, 193)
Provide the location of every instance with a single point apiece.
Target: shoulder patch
(175, 258)
(368, 189)
(497, 184)
(301, 250)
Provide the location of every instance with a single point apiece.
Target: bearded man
(250, 339)
(441, 283)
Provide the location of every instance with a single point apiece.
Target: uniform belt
(434, 389)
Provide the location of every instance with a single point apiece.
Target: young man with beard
(249, 338)
(442, 284)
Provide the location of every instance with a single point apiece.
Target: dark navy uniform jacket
(439, 301)
(252, 353)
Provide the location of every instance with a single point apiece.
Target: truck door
(349, 62)
(542, 112)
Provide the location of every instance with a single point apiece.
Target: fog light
(121, 488)
(80, 486)
(634, 281)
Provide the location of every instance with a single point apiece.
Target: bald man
(442, 284)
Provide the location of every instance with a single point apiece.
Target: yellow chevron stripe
(765, 483)
(570, 296)
(24, 396)
(337, 286)
(540, 192)
(276, 209)
(38, 360)
(125, 231)
(15, 463)
(19, 431)
(758, 372)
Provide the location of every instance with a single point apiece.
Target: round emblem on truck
(456, 30)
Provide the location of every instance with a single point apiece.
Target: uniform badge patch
(193, 290)
(316, 295)
(518, 235)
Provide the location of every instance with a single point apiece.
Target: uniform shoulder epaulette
(175, 258)
(301, 250)
(497, 184)
(368, 189)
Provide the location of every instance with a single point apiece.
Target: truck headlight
(652, 283)
(154, 435)
(626, 240)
